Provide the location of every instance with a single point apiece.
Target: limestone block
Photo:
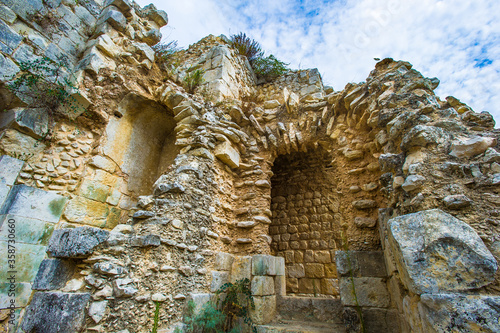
(105, 44)
(53, 274)
(265, 309)
(371, 263)
(28, 258)
(262, 286)
(330, 286)
(413, 182)
(280, 265)
(315, 270)
(280, 285)
(295, 271)
(423, 135)
(108, 268)
(123, 5)
(381, 320)
(364, 222)
(124, 288)
(347, 263)
(22, 293)
(7, 14)
(94, 60)
(56, 312)
(472, 147)
(223, 261)
(271, 104)
(457, 201)
(263, 265)
(8, 36)
(114, 18)
(97, 310)
(30, 202)
(241, 268)
(83, 210)
(23, 145)
(158, 16)
(102, 162)
(369, 291)
(364, 204)
(9, 169)
(77, 242)
(227, 154)
(491, 155)
(437, 252)
(218, 280)
(459, 313)
(94, 190)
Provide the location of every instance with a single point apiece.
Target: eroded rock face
(460, 313)
(437, 252)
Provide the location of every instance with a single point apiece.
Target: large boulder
(76, 243)
(51, 312)
(460, 313)
(437, 252)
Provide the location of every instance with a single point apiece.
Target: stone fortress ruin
(371, 209)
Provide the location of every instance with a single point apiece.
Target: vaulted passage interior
(141, 141)
(306, 225)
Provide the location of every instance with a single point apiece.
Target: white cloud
(454, 40)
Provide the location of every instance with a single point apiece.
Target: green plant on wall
(156, 317)
(193, 78)
(44, 83)
(233, 302)
(266, 68)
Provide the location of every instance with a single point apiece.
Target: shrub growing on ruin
(266, 68)
(193, 79)
(269, 67)
(45, 84)
(246, 46)
(165, 51)
(222, 315)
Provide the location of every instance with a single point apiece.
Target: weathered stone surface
(76, 243)
(472, 147)
(369, 291)
(265, 309)
(159, 16)
(227, 154)
(97, 310)
(423, 135)
(364, 222)
(263, 265)
(34, 203)
(218, 280)
(262, 285)
(51, 312)
(364, 204)
(241, 268)
(223, 261)
(413, 182)
(437, 252)
(9, 169)
(53, 274)
(457, 201)
(459, 313)
(124, 288)
(33, 122)
(108, 268)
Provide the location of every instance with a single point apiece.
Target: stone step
(312, 309)
(294, 326)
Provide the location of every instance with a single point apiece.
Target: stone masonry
(373, 208)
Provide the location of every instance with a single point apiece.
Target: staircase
(306, 315)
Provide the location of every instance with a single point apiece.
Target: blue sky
(457, 41)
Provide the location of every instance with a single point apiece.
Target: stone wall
(154, 185)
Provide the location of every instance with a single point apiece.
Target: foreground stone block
(223, 261)
(53, 274)
(34, 203)
(472, 147)
(263, 265)
(265, 309)
(369, 292)
(437, 252)
(76, 243)
(28, 230)
(459, 313)
(241, 268)
(33, 122)
(218, 280)
(262, 286)
(54, 312)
